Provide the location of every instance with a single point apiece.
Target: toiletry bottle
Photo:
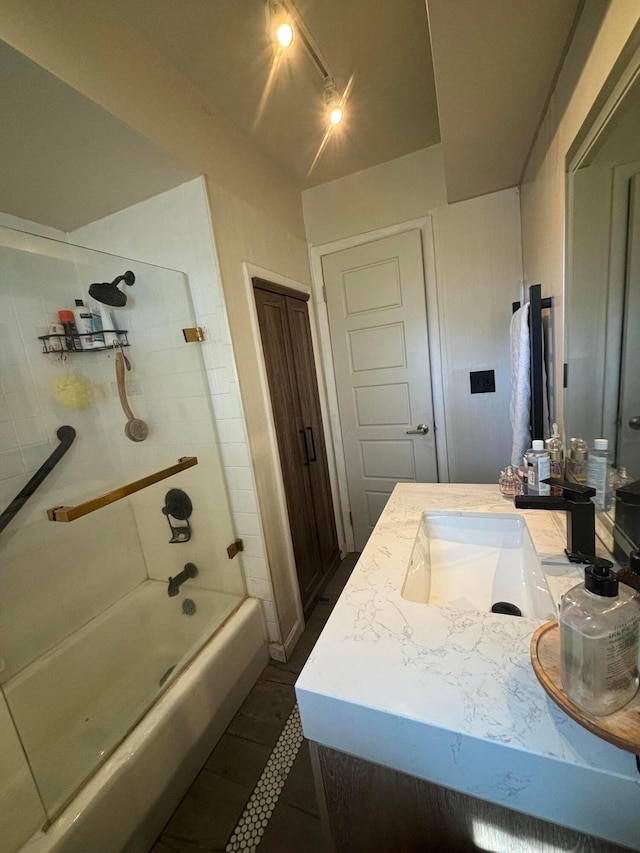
(538, 468)
(630, 575)
(599, 474)
(110, 336)
(599, 641)
(509, 482)
(556, 459)
(96, 328)
(68, 323)
(576, 462)
(621, 479)
(82, 317)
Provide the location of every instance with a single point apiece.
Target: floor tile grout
(264, 712)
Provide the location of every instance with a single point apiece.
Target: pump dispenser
(599, 641)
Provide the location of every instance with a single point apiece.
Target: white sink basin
(472, 560)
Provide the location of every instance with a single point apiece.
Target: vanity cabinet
(366, 807)
(288, 353)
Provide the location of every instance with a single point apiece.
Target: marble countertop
(449, 695)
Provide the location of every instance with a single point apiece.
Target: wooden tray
(622, 728)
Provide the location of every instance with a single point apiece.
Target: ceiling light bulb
(336, 115)
(284, 34)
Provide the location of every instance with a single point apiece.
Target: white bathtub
(68, 705)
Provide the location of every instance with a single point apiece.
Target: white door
(378, 322)
(628, 454)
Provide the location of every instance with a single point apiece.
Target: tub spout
(190, 571)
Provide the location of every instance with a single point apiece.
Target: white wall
(478, 275)
(173, 229)
(600, 36)
(396, 191)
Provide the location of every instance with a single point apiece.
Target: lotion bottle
(599, 642)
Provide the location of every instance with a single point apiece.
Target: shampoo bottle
(598, 473)
(599, 642)
(538, 468)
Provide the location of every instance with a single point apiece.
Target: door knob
(634, 423)
(423, 429)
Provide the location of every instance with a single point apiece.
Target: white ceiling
(495, 65)
(223, 48)
(64, 161)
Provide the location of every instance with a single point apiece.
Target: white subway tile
(11, 464)
(259, 589)
(240, 478)
(243, 501)
(247, 523)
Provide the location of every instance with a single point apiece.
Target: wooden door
(378, 321)
(307, 385)
(276, 344)
(287, 346)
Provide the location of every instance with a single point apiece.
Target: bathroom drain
(188, 607)
(507, 608)
(166, 675)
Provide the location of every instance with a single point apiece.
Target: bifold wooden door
(287, 345)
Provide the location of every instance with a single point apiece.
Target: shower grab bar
(70, 513)
(66, 436)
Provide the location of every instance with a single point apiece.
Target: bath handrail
(70, 513)
(66, 436)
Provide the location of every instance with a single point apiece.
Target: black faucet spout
(581, 513)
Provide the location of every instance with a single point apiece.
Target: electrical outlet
(482, 381)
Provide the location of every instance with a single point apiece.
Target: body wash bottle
(599, 642)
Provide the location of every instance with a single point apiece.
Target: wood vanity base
(367, 807)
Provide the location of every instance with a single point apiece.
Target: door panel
(307, 384)
(378, 323)
(274, 330)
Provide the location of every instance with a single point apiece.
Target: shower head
(108, 292)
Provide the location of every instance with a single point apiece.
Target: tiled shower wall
(174, 230)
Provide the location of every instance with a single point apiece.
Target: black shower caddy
(123, 341)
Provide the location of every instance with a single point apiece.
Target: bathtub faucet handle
(190, 571)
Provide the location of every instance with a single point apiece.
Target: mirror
(602, 283)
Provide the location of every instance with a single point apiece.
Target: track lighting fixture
(332, 100)
(285, 24)
(280, 24)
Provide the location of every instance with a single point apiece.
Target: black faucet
(581, 515)
(190, 571)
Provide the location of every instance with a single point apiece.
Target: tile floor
(205, 820)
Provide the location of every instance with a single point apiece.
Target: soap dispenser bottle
(599, 641)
